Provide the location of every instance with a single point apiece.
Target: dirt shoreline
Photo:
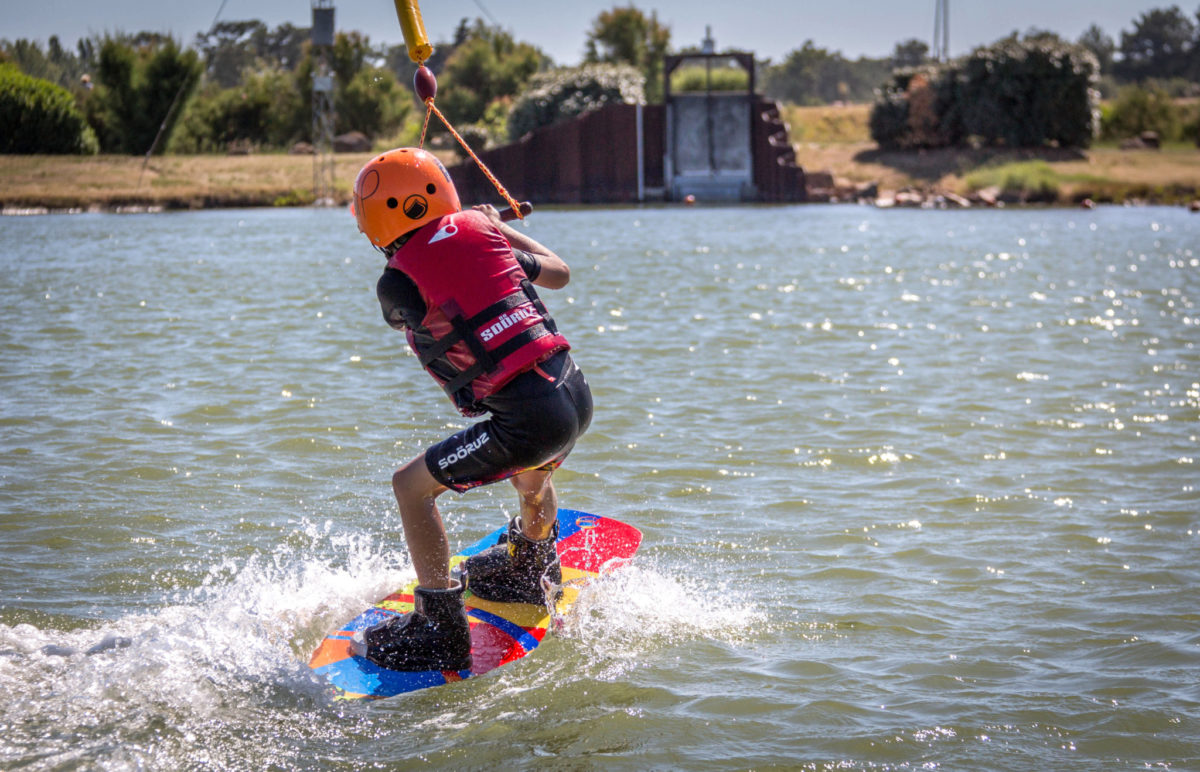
(838, 172)
(110, 183)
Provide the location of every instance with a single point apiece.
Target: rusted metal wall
(592, 159)
(777, 176)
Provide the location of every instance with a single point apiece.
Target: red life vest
(484, 323)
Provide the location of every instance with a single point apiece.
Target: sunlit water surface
(917, 489)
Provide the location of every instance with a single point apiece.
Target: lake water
(918, 490)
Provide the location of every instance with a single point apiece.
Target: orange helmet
(399, 191)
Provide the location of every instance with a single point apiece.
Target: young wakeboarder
(460, 285)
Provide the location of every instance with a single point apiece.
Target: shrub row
(37, 116)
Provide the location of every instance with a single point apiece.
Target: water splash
(625, 618)
(232, 653)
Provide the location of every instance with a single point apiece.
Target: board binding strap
(588, 546)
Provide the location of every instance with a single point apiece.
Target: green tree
(284, 45)
(630, 36)
(910, 53)
(1161, 45)
(810, 75)
(797, 78)
(397, 60)
(56, 64)
(229, 48)
(488, 65)
(366, 98)
(144, 83)
(1039, 35)
(351, 53)
(1194, 71)
(233, 46)
(1102, 46)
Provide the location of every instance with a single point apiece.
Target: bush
(560, 94)
(477, 137)
(1191, 126)
(1136, 110)
(266, 110)
(1031, 181)
(372, 102)
(407, 135)
(889, 121)
(697, 78)
(1015, 93)
(911, 112)
(1029, 94)
(37, 116)
(495, 119)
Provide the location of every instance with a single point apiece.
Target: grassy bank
(831, 138)
(170, 182)
(837, 139)
(1103, 174)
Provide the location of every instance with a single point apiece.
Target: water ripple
(916, 487)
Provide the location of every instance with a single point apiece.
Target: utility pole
(941, 31)
(322, 101)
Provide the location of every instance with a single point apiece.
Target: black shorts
(534, 422)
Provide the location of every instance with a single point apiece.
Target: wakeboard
(588, 546)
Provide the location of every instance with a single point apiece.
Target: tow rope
(425, 86)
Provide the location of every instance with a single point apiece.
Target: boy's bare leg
(416, 492)
(539, 503)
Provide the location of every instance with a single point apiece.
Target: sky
(768, 28)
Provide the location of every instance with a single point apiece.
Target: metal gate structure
(712, 145)
(710, 137)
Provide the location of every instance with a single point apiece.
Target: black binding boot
(434, 636)
(512, 570)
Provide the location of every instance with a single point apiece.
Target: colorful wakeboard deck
(588, 546)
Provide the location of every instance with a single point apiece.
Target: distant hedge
(1015, 93)
(37, 116)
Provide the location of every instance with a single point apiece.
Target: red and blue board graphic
(588, 545)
